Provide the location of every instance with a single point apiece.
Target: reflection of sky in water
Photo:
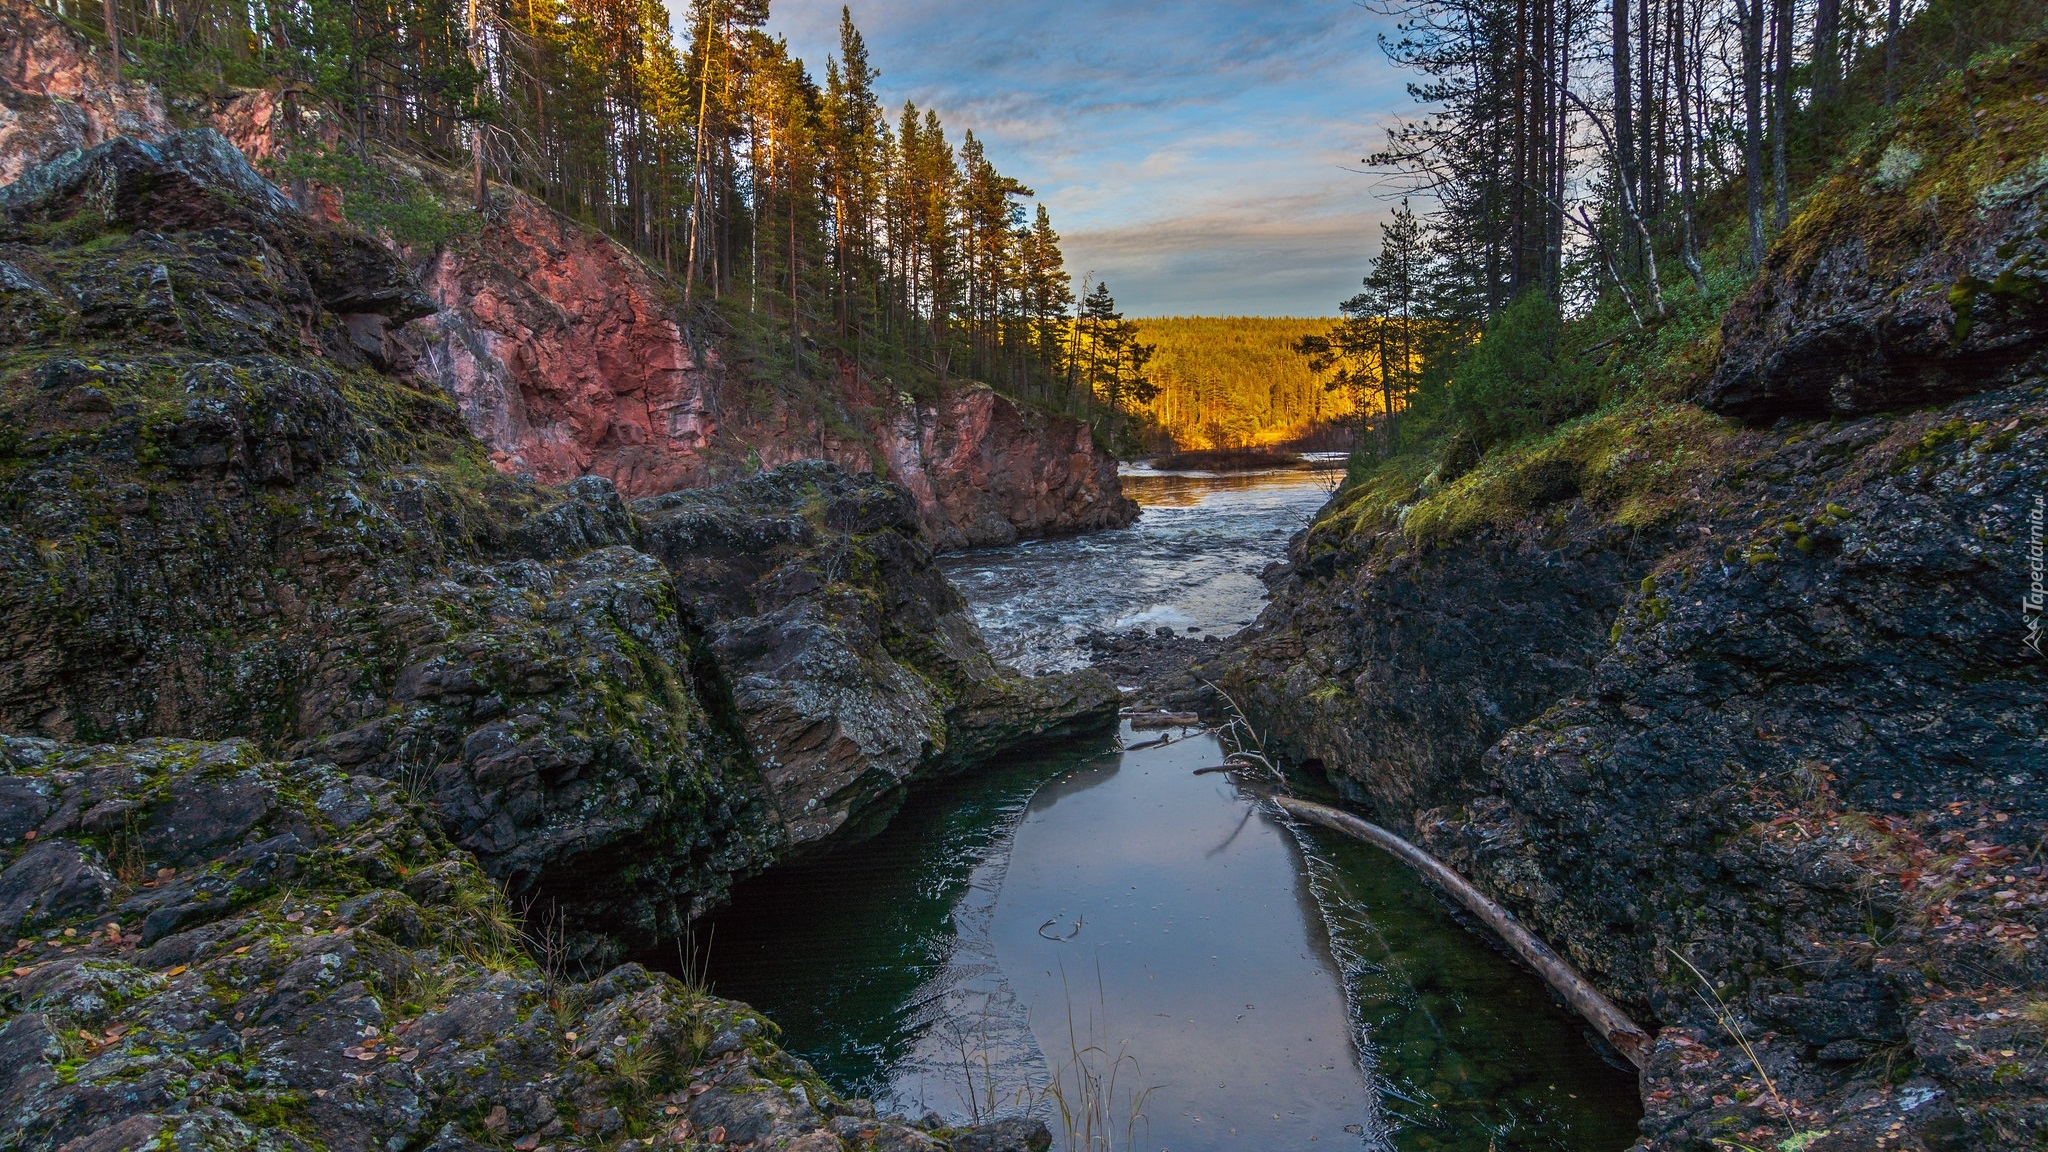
(1193, 947)
(1191, 561)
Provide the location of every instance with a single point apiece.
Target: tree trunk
(113, 41)
(1781, 97)
(1753, 125)
(1688, 243)
(1891, 54)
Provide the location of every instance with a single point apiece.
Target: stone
(1017, 1134)
(1886, 294)
(1737, 735)
(393, 1023)
(55, 96)
(52, 881)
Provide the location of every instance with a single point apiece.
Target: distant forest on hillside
(1235, 382)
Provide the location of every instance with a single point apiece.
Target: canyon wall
(564, 351)
(1740, 703)
(222, 517)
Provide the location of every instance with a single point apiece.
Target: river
(1147, 957)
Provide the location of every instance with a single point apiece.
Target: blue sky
(1191, 153)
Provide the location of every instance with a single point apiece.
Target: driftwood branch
(1607, 1019)
(1164, 719)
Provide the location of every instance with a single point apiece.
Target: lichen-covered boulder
(1918, 274)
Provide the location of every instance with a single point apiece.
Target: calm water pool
(1096, 916)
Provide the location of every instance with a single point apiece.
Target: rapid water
(1192, 561)
(1095, 921)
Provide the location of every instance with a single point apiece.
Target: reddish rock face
(561, 350)
(564, 354)
(55, 95)
(986, 471)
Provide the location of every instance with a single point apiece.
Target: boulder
(1916, 275)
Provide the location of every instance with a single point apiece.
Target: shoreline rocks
(1790, 739)
(218, 949)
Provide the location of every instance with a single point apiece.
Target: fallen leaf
(243, 949)
(23, 971)
(29, 835)
(294, 917)
(716, 1135)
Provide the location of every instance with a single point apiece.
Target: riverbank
(1727, 689)
(576, 721)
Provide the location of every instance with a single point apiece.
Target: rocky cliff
(1749, 722)
(563, 351)
(220, 519)
(56, 94)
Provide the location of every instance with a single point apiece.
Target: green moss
(1639, 462)
(1937, 438)
(1973, 144)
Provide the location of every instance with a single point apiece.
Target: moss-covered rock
(1918, 273)
(1766, 765)
(281, 955)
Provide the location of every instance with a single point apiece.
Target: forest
(801, 220)
(1584, 187)
(1236, 382)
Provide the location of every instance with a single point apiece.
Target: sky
(1193, 154)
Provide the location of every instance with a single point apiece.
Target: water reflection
(1186, 958)
(1276, 987)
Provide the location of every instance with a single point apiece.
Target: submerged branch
(1605, 1017)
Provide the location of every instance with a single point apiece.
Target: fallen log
(1165, 719)
(1606, 1018)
